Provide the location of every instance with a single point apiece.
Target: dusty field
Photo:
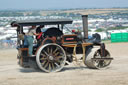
(115, 74)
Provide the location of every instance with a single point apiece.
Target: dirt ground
(116, 74)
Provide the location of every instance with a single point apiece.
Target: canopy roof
(41, 22)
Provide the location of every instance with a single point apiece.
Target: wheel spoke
(58, 58)
(43, 63)
(57, 65)
(98, 64)
(42, 54)
(51, 50)
(45, 53)
(55, 50)
(43, 58)
(50, 67)
(56, 54)
(46, 65)
(48, 50)
(61, 54)
(101, 63)
(106, 62)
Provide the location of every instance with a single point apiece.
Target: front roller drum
(51, 57)
(96, 61)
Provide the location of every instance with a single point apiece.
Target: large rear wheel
(51, 57)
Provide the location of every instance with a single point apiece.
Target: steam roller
(55, 49)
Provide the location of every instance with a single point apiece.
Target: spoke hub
(51, 58)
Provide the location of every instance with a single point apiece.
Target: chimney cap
(84, 15)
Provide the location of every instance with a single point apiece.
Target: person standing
(30, 38)
(38, 31)
(39, 37)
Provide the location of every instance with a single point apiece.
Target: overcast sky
(61, 4)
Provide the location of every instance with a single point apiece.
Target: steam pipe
(85, 26)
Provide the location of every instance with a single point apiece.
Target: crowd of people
(7, 44)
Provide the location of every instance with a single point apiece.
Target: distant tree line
(111, 28)
(66, 14)
(100, 30)
(117, 28)
(8, 14)
(17, 13)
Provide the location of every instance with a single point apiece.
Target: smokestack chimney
(85, 25)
